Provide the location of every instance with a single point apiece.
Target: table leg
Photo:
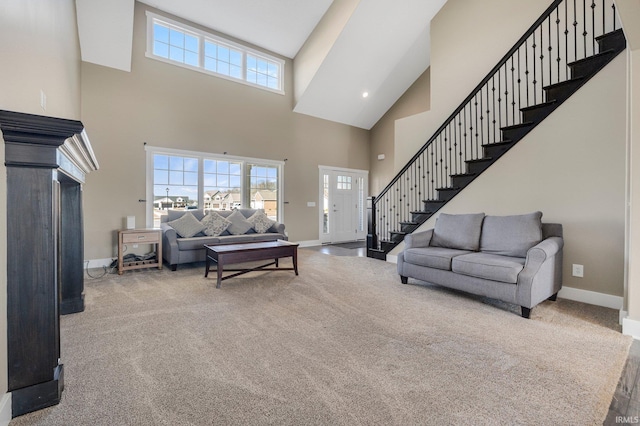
(219, 265)
(295, 260)
(206, 271)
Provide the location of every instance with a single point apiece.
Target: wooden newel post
(372, 237)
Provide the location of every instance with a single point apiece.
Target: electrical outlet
(578, 270)
(135, 246)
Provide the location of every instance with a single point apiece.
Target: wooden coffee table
(224, 254)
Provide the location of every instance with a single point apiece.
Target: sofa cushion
(458, 231)
(432, 257)
(214, 224)
(261, 223)
(511, 235)
(197, 243)
(187, 225)
(177, 214)
(489, 266)
(239, 224)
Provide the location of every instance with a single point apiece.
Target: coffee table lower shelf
(226, 254)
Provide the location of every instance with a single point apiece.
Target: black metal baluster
(460, 146)
(519, 83)
(566, 39)
(593, 27)
(449, 165)
(432, 169)
(493, 109)
(474, 122)
(506, 96)
(614, 16)
(513, 91)
(584, 26)
(575, 31)
(480, 129)
(526, 69)
(499, 101)
(550, 50)
(604, 12)
(533, 46)
(487, 112)
(558, 41)
(541, 60)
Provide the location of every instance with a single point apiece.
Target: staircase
(570, 42)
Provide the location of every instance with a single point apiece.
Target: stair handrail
(474, 92)
(554, 6)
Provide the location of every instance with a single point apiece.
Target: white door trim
(325, 169)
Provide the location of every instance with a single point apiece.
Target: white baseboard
(98, 263)
(5, 409)
(392, 258)
(631, 328)
(591, 297)
(309, 243)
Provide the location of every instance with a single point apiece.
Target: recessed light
(365, 94)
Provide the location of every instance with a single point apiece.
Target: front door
(342, 205)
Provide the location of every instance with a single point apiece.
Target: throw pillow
(187, 225)
(458, 231)
(239, 224)
(261, 223)
(214, 224)
(511, 235)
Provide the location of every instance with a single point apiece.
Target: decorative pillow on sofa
(458, 231)
(261, 223)
(239, 224)
(214, 224)
(511, 235)
(187, 225)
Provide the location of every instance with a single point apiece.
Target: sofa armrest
(418, 239)
(277, 227)
(542, 273)
(169, 244)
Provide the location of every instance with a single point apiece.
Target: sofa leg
(174, 267)
(553, 298)
(526, 312)
(404, 280)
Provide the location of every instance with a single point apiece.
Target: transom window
(178, 179)
(182, 45)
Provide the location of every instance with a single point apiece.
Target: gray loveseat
(515, 259)
(178, 250)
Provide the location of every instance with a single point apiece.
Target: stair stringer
(570, 167)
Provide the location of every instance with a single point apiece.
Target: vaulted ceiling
(376, 46)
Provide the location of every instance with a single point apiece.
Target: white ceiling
(382, 49)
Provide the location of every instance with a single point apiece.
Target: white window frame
(201, 156)
(202, 36)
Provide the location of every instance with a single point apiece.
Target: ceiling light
(365, 94)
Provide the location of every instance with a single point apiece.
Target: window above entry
(179, 44)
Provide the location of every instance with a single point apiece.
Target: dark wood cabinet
(46, 160)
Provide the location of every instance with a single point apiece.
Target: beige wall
(415, 100)
(468, 38)
(39, 44)
(562, 168)
(629, 11)
(570, 167)
(168, 106)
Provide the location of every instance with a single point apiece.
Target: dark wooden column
(44, 249)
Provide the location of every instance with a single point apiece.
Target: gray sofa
(177, 250)
(515, 259)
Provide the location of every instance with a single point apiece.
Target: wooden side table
(139, 236)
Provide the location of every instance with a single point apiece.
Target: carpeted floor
(344, 343)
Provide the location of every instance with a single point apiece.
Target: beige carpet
(342, 344)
